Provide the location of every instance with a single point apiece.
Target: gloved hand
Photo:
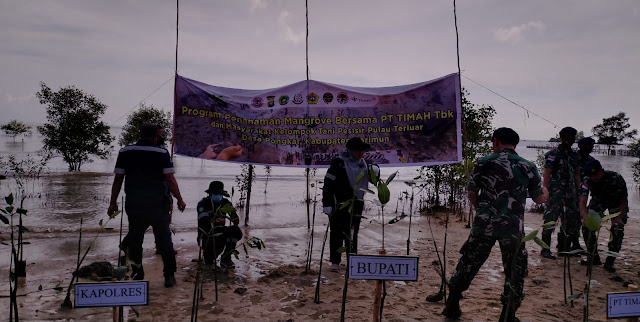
(327, 210)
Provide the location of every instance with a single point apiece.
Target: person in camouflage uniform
(497, 189)
(562, 179)
(585, 147)
(608, 192)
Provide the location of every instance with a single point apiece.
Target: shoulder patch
(550, 158)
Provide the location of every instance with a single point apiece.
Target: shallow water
(56, 202)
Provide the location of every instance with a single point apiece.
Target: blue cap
(586, 141)
(592, 167)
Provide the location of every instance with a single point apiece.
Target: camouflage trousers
(475, 252)
(565, 209)
(617, 231)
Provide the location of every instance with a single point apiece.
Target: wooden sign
(111, 294)
(381, 267)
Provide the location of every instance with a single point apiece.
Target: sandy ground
(271, 284)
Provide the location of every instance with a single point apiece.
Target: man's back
(502, 181)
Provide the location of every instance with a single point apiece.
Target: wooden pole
(377, 300)
(246, 209)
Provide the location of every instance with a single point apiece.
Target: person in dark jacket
(340, 186)
(213, 212)
(149, 185)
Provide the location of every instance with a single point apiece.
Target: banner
(311, 121)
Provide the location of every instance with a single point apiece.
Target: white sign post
(620, 305)
(111, 294)
(380, 267)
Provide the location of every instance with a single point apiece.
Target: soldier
(498, 189)
(608, 192)
(562, 179)
(585, 147)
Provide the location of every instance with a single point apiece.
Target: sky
(572, 62)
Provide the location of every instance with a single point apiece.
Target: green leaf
(574, 252)
(540, 242)
(549, 224)
(342, 250)
(530, 236)
(367, 190)
(21, 211)
(610, 234)
(359, 177)
(4, 219)
(383, 193)
(593, 223)
(100, 223)
(228, 208)
(605, 218)
(609, 253)
(575, 296)
(593, 283)
(393, 175)
(115, 213)
(344, 204)
(9, 199)
(410, 183)
(9, 209)
(377, 202)
(372, 176)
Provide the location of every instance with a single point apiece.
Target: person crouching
(214, 236)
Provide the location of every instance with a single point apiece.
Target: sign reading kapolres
(417, 124)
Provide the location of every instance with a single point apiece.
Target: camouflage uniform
(501, 181)
(605, 195)
(582, 162)
(563, 199)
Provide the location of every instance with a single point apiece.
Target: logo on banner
(257, 102)
(297, 99)
(271, 101)
(327, 97)
(283, 100)
(342, 98)
(312, 98)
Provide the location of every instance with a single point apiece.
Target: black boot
(137, 273)
(575, 244)
(608, 264)
(452, 307)
(546, 238)
(562, 244)
(510, 317)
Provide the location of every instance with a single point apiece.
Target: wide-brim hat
(217, 187)
(356, 144)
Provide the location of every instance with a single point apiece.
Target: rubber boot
(562, 244)
(452, 307)
(546, 238)
(575, 244)
(608, 264)
(137, 273)
(510, 317)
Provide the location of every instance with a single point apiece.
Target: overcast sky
(571, 62)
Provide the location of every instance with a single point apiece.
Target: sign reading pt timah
(111, 294)
(380, 267)
(623, 305)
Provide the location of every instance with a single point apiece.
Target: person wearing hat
(561, 177)
(215, 238)
(340, 186)
(608, 192)
(149, 185)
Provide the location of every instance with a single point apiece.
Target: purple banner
(417, 124)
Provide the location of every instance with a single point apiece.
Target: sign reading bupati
(623, 305)
(417, 124)
(111, 294)
(394, 268)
